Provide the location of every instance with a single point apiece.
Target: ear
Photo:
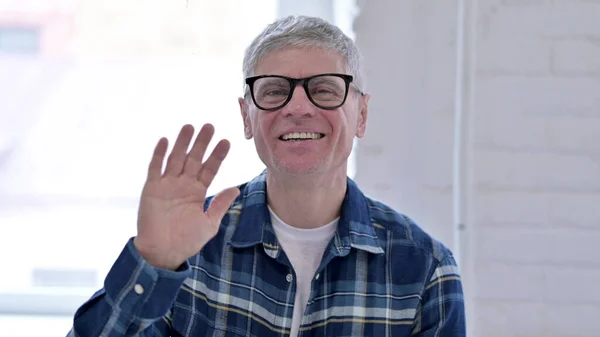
(245, 118)
(363, 112)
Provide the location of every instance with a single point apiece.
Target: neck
(306, 201)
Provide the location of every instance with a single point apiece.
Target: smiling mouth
(296, 136)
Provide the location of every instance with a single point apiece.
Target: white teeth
(302, 135)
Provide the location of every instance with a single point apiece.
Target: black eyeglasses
(326, 91)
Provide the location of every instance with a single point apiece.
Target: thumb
(221, 203)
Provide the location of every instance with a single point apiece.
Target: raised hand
(172, 225)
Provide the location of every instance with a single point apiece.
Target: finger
(155, 167)
(193, 161)
(177, 157)
(220, 204)
(213, 163)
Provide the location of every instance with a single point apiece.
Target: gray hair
(304, 32)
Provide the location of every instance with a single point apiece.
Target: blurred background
(484, 127)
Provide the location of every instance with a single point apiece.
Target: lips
(297, 136)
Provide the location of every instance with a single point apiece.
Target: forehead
(301, 62)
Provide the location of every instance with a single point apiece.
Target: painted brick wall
(534, 223)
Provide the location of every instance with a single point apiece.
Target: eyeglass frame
(304, 82)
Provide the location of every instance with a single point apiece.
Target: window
(76, 135)
(23, 40)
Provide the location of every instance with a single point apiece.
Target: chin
(300, 168)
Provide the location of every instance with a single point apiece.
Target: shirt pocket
(205, 312)
(200, 321)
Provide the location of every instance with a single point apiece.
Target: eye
(323, 91)
(280, 92)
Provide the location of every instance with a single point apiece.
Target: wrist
(156, 258)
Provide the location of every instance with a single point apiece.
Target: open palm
(172, 223)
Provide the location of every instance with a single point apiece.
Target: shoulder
(248, 192)
(251, 192)
(401, 232)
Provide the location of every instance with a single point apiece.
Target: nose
(299, 105)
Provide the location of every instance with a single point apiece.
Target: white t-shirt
(304, 248)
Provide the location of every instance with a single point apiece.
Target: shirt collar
(355, 229)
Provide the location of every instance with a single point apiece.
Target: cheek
(263, 126)
(342, 125)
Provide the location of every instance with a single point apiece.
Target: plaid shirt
(381, 275)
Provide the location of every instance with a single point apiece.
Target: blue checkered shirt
(381, 275)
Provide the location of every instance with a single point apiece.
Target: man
(297, 251)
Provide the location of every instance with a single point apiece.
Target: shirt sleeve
(135, 301)
(442, 311)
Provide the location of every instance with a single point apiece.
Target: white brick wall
(406, 156)
(535, 217)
